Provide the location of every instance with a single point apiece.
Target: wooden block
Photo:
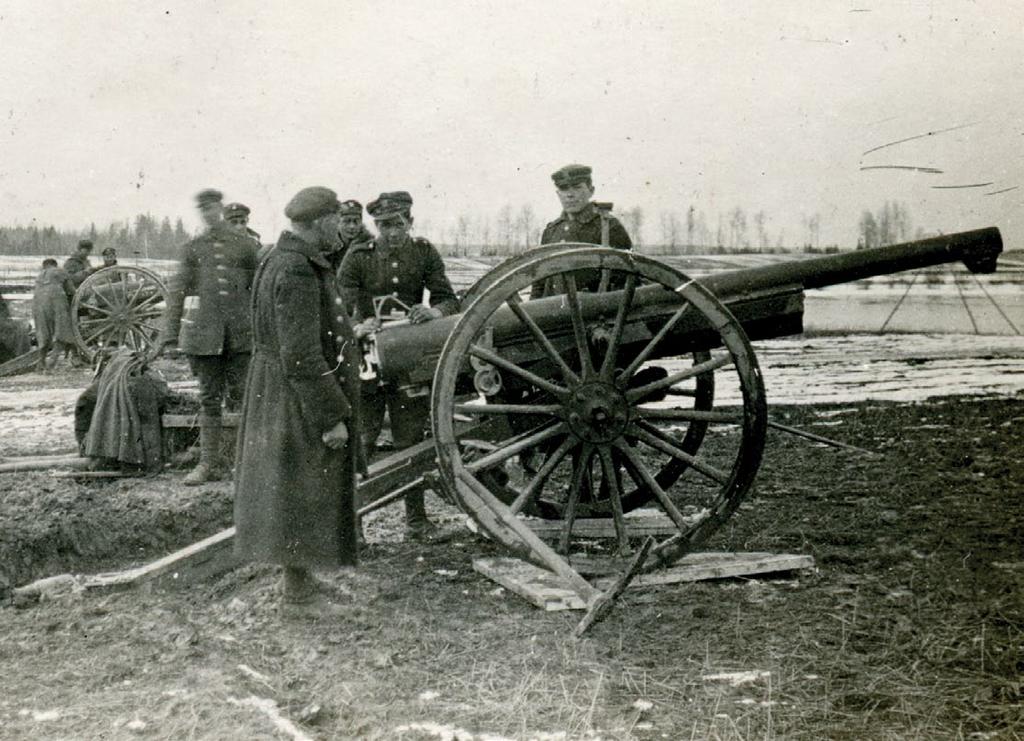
(539, 586)
(20, 364)
(702, 566)
(638, 527)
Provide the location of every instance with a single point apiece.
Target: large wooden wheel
(618, 388)
(119, 306)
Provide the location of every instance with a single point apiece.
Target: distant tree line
(509, 231)
(143, 236)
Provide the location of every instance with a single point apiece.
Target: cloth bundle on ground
(14, 335)
(118, 416)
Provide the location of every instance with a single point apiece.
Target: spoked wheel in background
(618, 393)
(119, 306)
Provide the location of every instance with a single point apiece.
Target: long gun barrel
(767, 300)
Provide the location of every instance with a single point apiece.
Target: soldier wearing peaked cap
(237, 216)
(402, 267)
(581, 220)
(208, 317)
(351, 230)
(299, 442)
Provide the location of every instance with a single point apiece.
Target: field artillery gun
(554, 419)
(119, 306)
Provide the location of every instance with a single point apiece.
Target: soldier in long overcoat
(208, 316)
(298, 443)
(50, 310)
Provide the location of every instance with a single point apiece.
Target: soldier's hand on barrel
(419, 313)
(366, 327)
(336, 437)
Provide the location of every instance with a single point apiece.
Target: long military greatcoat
(294, 496)
(51, 300)
(208, 305)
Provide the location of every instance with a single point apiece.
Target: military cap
(85, 244)
(571, 175)
(109, 251)
(235, 209)
(351, 207)
(209, 195)
(309, 204)
(390, 204)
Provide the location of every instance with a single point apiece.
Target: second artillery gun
(553, 419)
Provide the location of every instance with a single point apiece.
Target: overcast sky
(114, 108)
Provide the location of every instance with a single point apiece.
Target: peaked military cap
(571, 175)
(390, 204)
(309, 204)
(236, 209)
(351, 207)
(209, 195)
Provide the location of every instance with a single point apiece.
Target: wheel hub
(597, 412)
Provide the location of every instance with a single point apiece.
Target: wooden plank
(21, 364)
(702, 566)
(209, 557)
(171, 421)
(43, 463)
(539, 586)
(645, 525)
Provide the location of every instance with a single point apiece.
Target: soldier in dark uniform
(402, 267)
(237, 216)
(78, 266)
(109, 257)
(582, 220)
(50, 300)
(208, 314)
(350, 231)
(298, 442)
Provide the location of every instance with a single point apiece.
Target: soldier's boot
(417, 525)
(209, 453)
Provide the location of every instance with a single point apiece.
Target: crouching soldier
(208, 316)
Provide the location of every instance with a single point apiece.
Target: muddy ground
(911, 627)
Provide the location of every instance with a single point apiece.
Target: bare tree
(633, 220)
(670, 230)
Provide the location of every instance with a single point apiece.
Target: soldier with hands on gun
(397, 269)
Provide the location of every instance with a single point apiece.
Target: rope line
(963, 298)
(995, 304)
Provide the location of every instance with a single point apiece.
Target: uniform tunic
(377, 268)
(208, 306)
(78, 269)
(585, 227)
(294, 496)
(51, 308)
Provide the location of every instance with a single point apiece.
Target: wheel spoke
(546, 409)
(708, 366)
(532, 489)
(138, 289)
(611, 475)
(611, 354)
(493, 358)
(514, 448)
(666, 504)
(658, 440)
(690, 415)
(579, 329)
(542, 339)
(94, 308)
(653, 343)
(97, 333)
(150, 301)
(569, 515)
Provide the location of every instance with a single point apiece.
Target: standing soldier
(78, 266)
(582, 220)
(237, 217)
(402, 267)
(109, 257)
(53, 291)
(298, 442)
(350, 231)
(208, 315)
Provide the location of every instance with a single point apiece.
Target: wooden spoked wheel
(119, 306)
(617, 390)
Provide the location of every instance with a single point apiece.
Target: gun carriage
(555, 419)
(119, 306)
